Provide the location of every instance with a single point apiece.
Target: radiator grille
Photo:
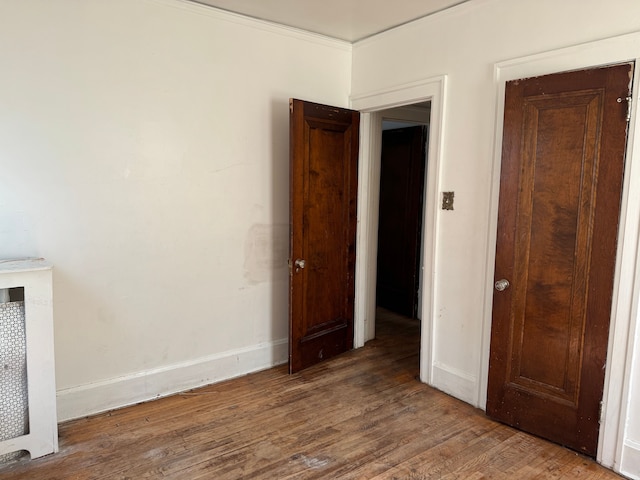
(14, 408)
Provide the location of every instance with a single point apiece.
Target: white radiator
(28, 420)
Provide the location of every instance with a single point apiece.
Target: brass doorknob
(502, 285)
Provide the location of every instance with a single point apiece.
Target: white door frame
(611, 445)
(371, 106)
(626, 286)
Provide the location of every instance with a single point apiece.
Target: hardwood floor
(362, 415)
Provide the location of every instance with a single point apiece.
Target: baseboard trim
(455, 382)
(630, 465)
(90, 399)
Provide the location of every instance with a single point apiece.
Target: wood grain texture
(400, 219)
(561, 180)
(362, 415)
(323, 177)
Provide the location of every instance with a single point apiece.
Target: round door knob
(299, 263)
(502, 284)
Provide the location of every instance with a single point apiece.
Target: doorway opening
(403, 158)
(372, 107)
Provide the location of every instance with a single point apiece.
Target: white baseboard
(455, 382)
(119, 392)
(630, 464)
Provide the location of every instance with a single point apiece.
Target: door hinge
(629, 100)
(600, 413)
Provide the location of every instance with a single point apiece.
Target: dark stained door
(323, 165)
(400, 219)
(560, 188)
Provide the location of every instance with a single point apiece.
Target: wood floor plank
(362, 415)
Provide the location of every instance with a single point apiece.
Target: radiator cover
(28, 420)
(14, 408)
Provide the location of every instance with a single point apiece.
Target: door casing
(371, 107)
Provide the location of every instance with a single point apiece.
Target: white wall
(144, 153)
(630, 448)
(466, 43)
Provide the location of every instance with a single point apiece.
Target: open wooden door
(560, 189)
(323, 165)
(400, 219)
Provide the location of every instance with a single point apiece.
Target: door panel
(400, 219)
(324, 158)
(562, 167)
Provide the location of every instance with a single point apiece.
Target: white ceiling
(349, 20)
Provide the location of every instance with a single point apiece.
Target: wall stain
(266, 252)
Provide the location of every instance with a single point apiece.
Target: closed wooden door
(400, 219)
(560, 188)
(323, 164)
